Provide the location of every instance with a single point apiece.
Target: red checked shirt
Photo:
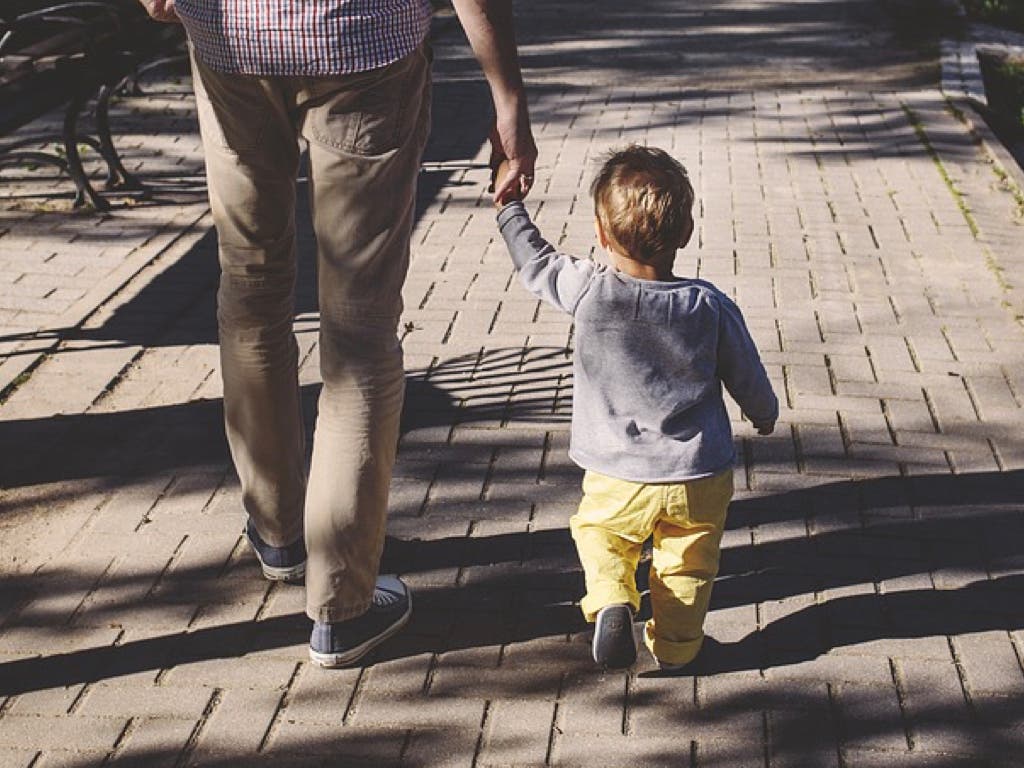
(303, 37)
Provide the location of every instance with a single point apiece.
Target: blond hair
(644, 200)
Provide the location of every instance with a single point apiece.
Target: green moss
(1012, 73)
(957, 195)
(1004, 13)
(1005, 182)
(20, 379)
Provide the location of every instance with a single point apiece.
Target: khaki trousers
(366, 133)
(687, 520)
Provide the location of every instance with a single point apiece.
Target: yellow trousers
(686, 519)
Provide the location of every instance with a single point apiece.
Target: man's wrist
(509, 98)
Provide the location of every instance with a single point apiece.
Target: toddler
(649, 425)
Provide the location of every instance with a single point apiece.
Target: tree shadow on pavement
(177, 305)
(807, 634)
(498, 386)
(721, 45)
(517, 587)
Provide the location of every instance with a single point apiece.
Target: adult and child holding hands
(652, 350)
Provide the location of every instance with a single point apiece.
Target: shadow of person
(985, 605)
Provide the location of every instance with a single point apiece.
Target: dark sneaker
(278, 563)
(341, 643)
(614, 643)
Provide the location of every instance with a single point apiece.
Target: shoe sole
(290, 574)
(335, 660)
(614, 645)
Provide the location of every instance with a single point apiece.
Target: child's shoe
(614, 643)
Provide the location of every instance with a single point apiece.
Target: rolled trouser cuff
(608, 594)
(669, 651)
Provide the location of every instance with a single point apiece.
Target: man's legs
(251, 159)
(366, 135)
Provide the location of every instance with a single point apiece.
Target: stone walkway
(867, 611)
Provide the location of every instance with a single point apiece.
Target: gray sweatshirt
(651, 357)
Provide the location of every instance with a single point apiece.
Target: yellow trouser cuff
(608, 594)
(669, 651)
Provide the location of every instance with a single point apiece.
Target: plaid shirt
(303, 37)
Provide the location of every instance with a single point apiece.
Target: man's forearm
(491, 32)
(489, 26)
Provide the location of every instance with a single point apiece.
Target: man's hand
(161, 10)
(513, 156)
(489, 27)
(511, 179)
(513, 191)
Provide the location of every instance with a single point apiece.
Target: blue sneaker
(278, 563)
(341, 643)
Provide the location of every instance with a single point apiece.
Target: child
(649, 425)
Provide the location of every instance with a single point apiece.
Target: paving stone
(660, 705)
(581, 751)
(17, 758)
(915, 648)
(518, 733)
(990, 663)
(52, 702)
(238, 725)
(56, 640)
(505, 682)
(321, 696)
(159, 701)
(863, 758)
(594, 703)
(71, 758)
(935, 704)
(798, 737)
(156, 741)
(245, 672)
(351, 745)
(19, 731)
(746, 751)
(870, 718)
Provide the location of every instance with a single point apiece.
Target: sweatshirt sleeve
(740, 367)
(554, 277)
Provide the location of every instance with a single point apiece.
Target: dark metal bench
(72, 53)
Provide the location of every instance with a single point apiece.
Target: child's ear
(687, 234)
(602, 238)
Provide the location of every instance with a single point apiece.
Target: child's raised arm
(555, 277)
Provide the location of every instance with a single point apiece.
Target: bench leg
(85, 194)
(118, 177)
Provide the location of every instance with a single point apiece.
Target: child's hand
(511, 193)
(161, 10)
(765, 429)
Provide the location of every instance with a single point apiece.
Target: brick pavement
(867, 609)
(56, 265)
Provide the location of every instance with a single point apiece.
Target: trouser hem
(669, 651)
(335, 615)
(593, 602)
